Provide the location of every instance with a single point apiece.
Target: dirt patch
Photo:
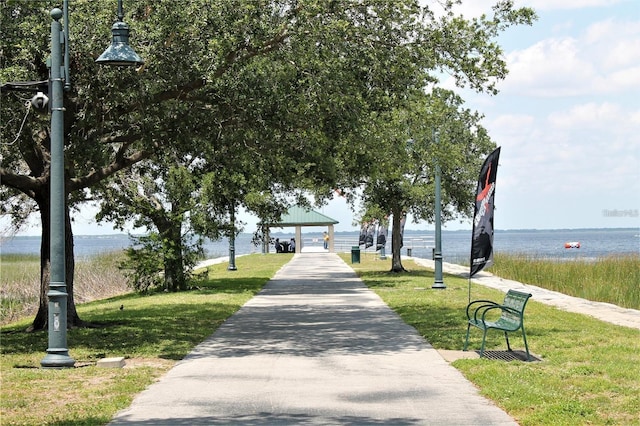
(148, 362)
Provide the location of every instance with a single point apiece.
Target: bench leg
(484, 338)
(506, 336)
(526, 346)
(466, 342)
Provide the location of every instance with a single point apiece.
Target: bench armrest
(481, 304)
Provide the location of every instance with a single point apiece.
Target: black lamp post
(57, 351)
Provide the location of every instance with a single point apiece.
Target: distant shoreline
(407, 231)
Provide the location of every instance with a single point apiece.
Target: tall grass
(95, 278)
(613, 279)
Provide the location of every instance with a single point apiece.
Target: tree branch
(120, 163)
(232, 58)
(23, 183)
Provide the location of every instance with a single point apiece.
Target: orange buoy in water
(573, 244)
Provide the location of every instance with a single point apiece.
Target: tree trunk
(41, 319)
(396, 242)
(174, 277)
(73, 320)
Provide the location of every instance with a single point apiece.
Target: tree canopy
(280, 92)
(434, 130)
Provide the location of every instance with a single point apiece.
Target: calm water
(456, 245)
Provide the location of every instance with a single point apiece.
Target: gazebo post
(298, 239)
(331, 240)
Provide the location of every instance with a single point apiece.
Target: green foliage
(432, 130)
(151, 257)
(157, 196)
(589, 368)
(143, 267)
(285, 83)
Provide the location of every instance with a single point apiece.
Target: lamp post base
(57, 358)
(232, 257)
(439, 284)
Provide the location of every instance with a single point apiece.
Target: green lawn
(590, 373)
(151, 331)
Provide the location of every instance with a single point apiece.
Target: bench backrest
(515, 300)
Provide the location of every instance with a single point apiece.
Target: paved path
(315, 347)
(603, 311)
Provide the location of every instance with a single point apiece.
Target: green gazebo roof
(300, 216)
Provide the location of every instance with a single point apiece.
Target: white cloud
(574, 153)
(604, 59)
(590, 115)
(567, 117)
(569, 4)
(474, 8)
(549, 68)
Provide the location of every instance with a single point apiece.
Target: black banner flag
(363, 233)
(482, 234)
(383, 229)
(371, 232)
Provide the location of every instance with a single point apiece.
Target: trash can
(409, 252)
(355, 254)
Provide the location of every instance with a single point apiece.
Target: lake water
(456, 245)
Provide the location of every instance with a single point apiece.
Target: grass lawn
(590, 373)
(153, 332)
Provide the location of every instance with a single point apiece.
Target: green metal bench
(511, 317)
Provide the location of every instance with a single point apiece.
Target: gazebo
(298, 217)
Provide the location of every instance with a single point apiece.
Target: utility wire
(24, 120)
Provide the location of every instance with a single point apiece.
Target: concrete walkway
(603, 311)
(315, 347)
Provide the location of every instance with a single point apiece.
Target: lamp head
(120, 53)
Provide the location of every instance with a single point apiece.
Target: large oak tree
(297, 80)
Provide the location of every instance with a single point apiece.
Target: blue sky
(567, 118)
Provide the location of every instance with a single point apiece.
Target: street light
(120, 53)
(438, 283)
(57, 351)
